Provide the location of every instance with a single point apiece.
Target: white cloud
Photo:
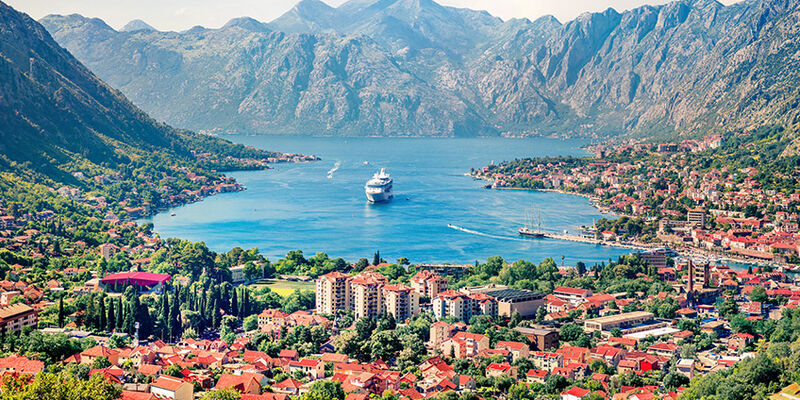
(183, 14)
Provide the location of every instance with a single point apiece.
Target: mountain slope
(54, 111)
(256, 80)
(416, 67)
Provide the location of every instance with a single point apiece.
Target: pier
(583, 239)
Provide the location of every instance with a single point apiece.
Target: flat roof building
(610, 322)
(510, 301)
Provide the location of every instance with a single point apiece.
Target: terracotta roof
(168, 383)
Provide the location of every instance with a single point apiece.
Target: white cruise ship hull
(379, 197)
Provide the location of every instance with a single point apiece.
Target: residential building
(168, 387)
(15, 317)
(452, 304)
(333, 293)
(365, 294)
(696, 217)
(401, 301)
(429, 284)
(541, 339)
(575, 296)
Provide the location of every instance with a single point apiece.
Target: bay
(321, 207)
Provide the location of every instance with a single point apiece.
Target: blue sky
(183, 14)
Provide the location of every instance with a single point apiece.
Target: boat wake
(465, 230)
(334, 169)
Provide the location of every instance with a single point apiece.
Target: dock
(583, 239)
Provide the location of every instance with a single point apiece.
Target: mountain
(247, 79)
(137, 25)
(415, 67)
(54, 111)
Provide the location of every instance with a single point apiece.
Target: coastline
(689, 251)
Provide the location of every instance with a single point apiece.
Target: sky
(183, 14)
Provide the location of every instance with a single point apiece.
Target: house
(246, 383)
(537, 376)
(575, 393)
(575, 296)
(518, 349)
(465, 344)
(19, 365)
(686, 367)
(314, 369)
(89, 355)
(664, 349)
(790, 392)
(288, 386)
(495, 370)
(129, 395)
(168, 387)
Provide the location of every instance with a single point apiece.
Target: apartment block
(429, 284)
(401, 301)
(333, 293)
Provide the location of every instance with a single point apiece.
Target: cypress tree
(163, 317)
(61, 312)
(89, 319)
(175, 318)
(120, 313)
(111, 320)
(101, 314)
(235, 304)
(216, 315)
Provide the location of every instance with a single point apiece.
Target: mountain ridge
(409, 67)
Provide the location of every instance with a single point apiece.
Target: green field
(282, 287)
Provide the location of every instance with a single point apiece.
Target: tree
(118, 341)
(224, 394)
(189, 333)
(111, 320)
(580, 267)
(61, 311)
(250, 323)
(674, 380)
(324, 390)
(728, 308)
(570, 331)
(63, 386)
(555, 384)
(252, 271)
(384, 345)
(759, 294)
(101, 362)
(173, 370)
(376, 259)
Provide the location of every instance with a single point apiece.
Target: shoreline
(691, 251)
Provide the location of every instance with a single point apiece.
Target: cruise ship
(379, 188)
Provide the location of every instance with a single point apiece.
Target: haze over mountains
(414, 67)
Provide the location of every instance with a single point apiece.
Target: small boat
(366, 162)
(172, 215)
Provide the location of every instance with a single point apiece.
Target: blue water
(297, 206)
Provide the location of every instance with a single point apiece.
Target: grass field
(284, 288)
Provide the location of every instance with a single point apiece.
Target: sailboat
(528, 231)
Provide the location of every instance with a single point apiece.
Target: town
(636, 328)
(667, 195)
